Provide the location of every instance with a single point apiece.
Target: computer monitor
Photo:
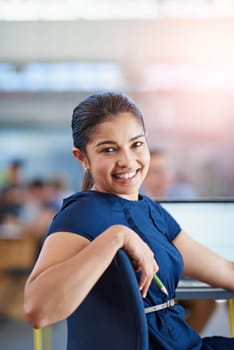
(209, 222)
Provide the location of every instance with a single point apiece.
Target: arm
(69, 266)
(203, 264)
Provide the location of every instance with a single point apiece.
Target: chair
(112, 315)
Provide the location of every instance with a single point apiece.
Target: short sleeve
(164, 221)
(82, 214)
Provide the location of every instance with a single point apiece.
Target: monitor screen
(209, 222)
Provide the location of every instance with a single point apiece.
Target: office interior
(174, 58)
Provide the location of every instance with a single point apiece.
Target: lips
(125, 176)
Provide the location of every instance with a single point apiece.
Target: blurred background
(173, 57)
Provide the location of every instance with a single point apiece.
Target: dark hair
(94, 110)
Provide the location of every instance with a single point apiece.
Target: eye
(138, 144)
(108, 150)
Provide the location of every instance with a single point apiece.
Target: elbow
(33, 308)
(40, 315)
(32, 319)
(40, 311)
(37, 319)
(34, 316)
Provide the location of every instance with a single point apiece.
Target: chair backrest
(112, 315)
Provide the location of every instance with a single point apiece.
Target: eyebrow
(114, 143)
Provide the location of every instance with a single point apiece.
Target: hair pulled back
(96, 109)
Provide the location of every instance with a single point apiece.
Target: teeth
(126, 176)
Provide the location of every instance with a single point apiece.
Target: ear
(82, 159)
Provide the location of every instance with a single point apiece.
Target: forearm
(204, 264)
(217, 272)
(56, 292)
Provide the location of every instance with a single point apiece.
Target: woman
(110, 143)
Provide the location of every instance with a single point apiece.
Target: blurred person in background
(14, 173)
(27, 209)
(159, 177)
(11, 198)
(11, 174)
(60, 190)
(38, 208)
(161, 184)
(10, 204)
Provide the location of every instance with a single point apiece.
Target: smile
(126, 175)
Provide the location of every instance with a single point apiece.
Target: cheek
(146, 160)
(99, 166)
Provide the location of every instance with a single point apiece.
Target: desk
(193, 216)
(17, 256)
(190, 290)
(17, 252)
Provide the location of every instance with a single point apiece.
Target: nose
(124, 158)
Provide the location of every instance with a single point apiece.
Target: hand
(142, 259)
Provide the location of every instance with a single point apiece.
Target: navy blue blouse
(89, 213)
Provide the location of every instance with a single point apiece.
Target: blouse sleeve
(165, 221)
(82, 215)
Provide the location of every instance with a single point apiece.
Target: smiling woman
(117, 156)
(110, 214)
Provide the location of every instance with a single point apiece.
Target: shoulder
(86, 213)
(154, 205)
(86, 200)
(163, 219)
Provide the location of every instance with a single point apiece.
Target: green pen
(160, 284)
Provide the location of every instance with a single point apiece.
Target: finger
(146, 286)
(155, 267)
(145, 281)
(142, 281)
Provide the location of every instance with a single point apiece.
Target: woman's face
(118, 156)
